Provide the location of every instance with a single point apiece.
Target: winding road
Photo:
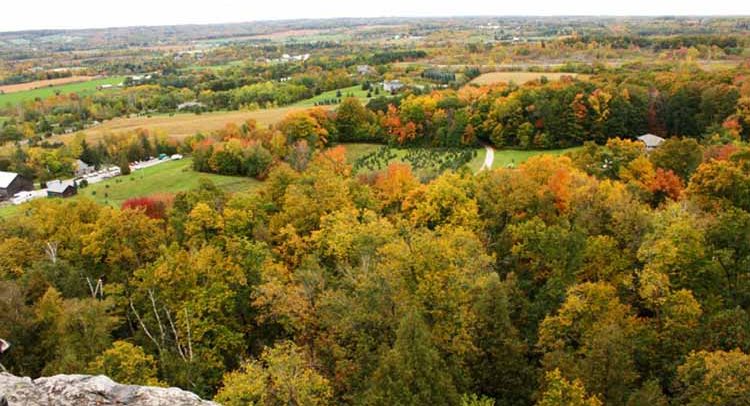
(489, 158)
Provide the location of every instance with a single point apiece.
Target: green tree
(412, 372)
(714, 378)
(681, 156)
(561, 392)
(282, 376)
(127, 364)
(591, 338)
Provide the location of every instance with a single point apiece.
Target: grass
(503, 158)
(355, 151)
(508, 157)
(169, 177)
(356, 91)
(10, 210)
(81, 88)
(517, 77)
(181, 125)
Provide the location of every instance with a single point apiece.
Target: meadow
(505, 158)
(20, 87)
(353, 91)
(169, 177)
(178, 126)
(81, 88)
(517, 77)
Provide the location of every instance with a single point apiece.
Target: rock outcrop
(70, 390)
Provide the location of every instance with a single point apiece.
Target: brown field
(518, 77)
(287, 33)
(43, 83)
(180, 126)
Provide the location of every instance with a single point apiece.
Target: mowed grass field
(169, 177)
(20, 87)
(355, 91)
(518, 77)
(82, 88)
(511, 158)
(179, 126)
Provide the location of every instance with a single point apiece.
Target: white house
(363, 69)
(651, 141)
(392, 85)
(83, 169)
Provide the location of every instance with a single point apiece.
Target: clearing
(180, 125)
(353, 91)
(20, 87)
(502, 157)
(518, 77)
(169, 177)
(81, 88)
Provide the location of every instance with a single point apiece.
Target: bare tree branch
(156, 313)
(176, 336)
(143, 326)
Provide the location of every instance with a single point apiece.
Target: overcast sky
(38, 14)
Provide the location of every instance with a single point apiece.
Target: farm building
(191, 105)
(82, 168)
(12, 183)
(651, 141)
(392, 85)
(61, 188)
(364, 69)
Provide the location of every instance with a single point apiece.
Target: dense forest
(564, 281)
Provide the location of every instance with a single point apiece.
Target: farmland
(503, 158)
(86, 87)
(169, 177)
(179, 126)
(355, 91)
(518, 77)
(37, 84)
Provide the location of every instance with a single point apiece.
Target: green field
(169, 177)
(81, 88)
(511, 157)
(503, 158)
(356, 91)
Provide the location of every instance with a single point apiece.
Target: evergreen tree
(412, 372)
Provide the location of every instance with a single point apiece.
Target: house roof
(82, 165)
(651, 140)
(59, 186)
(6, 178)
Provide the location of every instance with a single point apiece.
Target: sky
(49, 14)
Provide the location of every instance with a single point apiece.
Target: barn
(12, 183)
(61, 188)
